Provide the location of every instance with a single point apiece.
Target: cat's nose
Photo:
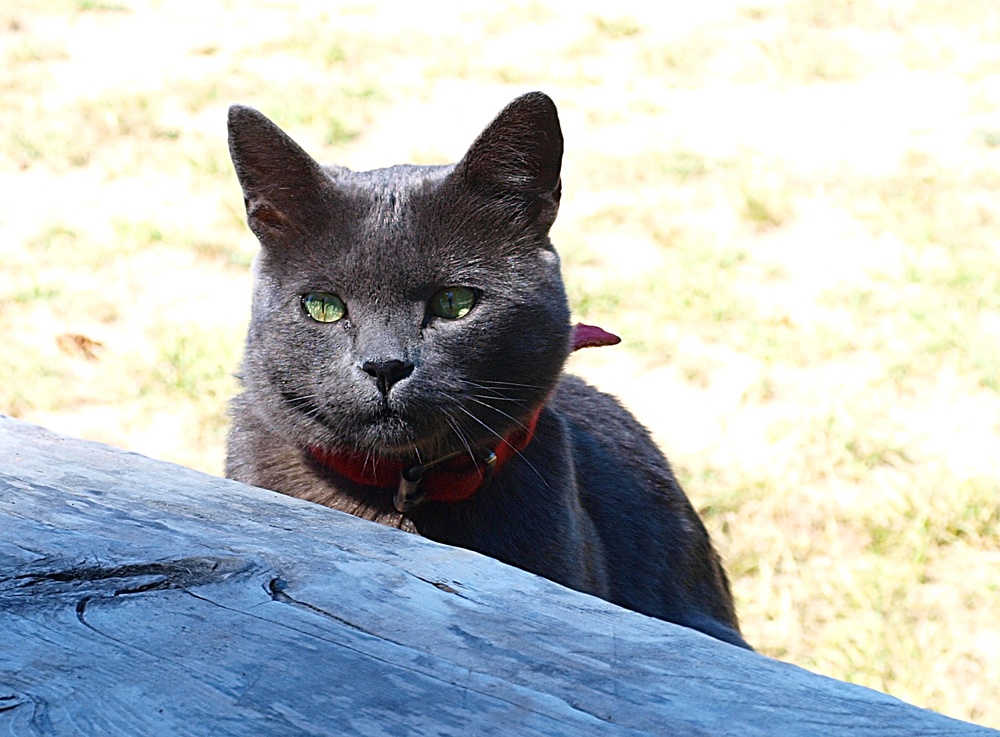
(387, 373)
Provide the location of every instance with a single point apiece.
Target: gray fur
(591, 503)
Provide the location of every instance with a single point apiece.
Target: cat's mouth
(385, 432)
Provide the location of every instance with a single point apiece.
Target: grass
(811, 320)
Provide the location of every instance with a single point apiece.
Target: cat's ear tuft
(283, 187)
(520, 152)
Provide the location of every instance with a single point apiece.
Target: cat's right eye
(323, 306)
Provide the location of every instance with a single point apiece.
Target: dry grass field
(790, 211)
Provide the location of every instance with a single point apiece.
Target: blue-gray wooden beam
(142, 598)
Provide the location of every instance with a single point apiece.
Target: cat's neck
(453, 478)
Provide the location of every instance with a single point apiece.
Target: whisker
(485, 383)
(456, 428)
(499, 399)
(501, 412)
(299, 401)
(506, 442)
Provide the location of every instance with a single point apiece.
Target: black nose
(387, 373)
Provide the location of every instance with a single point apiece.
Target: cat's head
(405, 311)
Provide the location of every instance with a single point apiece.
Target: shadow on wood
(142, 598)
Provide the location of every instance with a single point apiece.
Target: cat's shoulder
(603, 434)
(600, 413)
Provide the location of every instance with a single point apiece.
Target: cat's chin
(391, 445)
(388, 436)
(409, 451)
(390, 440)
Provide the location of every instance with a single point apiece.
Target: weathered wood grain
(141, 598)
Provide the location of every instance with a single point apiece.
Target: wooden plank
(142, 598)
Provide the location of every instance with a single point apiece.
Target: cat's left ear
(520, 154)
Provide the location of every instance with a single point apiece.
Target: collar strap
(591, 336)
(455, 477)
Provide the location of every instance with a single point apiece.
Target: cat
(404, 363)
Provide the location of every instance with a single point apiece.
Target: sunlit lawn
(789, 210)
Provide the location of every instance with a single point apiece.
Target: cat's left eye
(323, 306)
(453, 302)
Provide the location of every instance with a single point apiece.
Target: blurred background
(788, 210)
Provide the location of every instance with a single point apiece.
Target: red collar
(454, 480)
(450, 480)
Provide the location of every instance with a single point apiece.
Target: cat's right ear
(283, 187)
(520, 155)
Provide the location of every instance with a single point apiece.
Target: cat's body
(416, 315)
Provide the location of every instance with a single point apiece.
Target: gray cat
(404, 364)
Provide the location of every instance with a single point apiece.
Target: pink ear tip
(591, 336)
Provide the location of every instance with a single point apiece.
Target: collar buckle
(410, 494)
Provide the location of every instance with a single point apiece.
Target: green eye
(453, 302)
(323, 306)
